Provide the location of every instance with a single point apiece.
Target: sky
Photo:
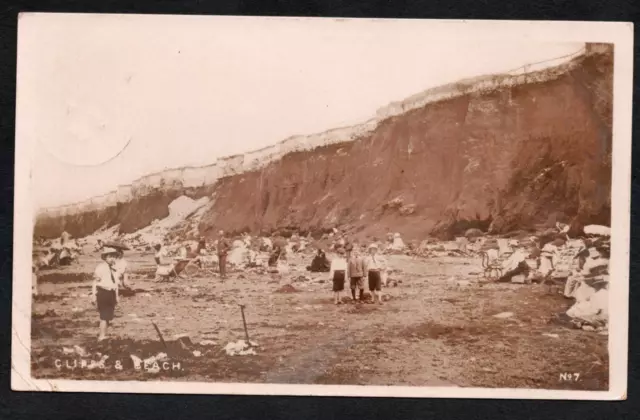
(107, 99)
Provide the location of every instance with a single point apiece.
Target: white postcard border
(620, 34)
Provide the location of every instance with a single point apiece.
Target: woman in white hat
(375, 267)
(104, 290)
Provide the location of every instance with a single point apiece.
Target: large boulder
(237, 254)
(597, 230)
(591, 306)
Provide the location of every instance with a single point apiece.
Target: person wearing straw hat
(104, 291)
(121, 265)
(338, 274)
(375, 267)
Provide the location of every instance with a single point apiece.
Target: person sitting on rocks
(320, 263)
(165, 266)
(195, 255)
(275, 256)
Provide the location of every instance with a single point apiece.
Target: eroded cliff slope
(502, 154)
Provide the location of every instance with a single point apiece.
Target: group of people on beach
(168, 266)
(353, 265)
(111, 274)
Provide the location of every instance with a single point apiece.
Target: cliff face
(131, 215)
(498, 152)
(507, 158)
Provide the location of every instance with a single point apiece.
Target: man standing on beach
(356, 272)
(223, 250)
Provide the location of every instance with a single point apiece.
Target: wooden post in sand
(244, 323)
(160, 335)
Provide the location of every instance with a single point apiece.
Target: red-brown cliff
(502, 158)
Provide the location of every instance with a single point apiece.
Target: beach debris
(598, 230)
(80, 351)
(503, 315)
(241, 348)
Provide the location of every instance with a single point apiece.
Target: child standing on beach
(338, 273)
(375, 267)
(356, 274)
(104, 291)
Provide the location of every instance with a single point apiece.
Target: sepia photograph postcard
(315, 206)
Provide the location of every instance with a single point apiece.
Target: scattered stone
(503, 315)
(207, 343)
(590, 307)
(68, 350)
(407, 210)
(551, 335)
(80, 351)
(240, 348)
(588, 328)
(184, 341)
(197, 353)
(519, 279)
(597, 230)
